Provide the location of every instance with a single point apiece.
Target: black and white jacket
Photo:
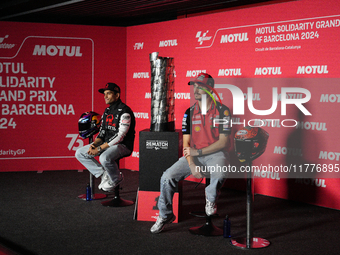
(118, 125)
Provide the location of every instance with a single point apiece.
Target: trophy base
(163, 127)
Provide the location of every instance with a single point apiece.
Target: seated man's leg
(89, 162)
(108, 161)
(217, 163)
(168, 185)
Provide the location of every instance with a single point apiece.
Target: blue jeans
(180, 170)
(107, 160)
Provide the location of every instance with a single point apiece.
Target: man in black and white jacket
(115, 140)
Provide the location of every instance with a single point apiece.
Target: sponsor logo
(313, 182)
(231, 38)
(332, 98)
(141, 115)
(52, 50)
(318, 126)
(182, 95)
(135, 154)
(321, 69)
(178, 95)
(256, 97)
(230, 72)
(329, 155)
(141, 75)
(194, 73)
(109, 120)
(157, 144)
(267, 174)
(268, 71)
(203, 37)
(168, 43)
(288, 151)
(5, 45)
(266, 123)
(138, 46)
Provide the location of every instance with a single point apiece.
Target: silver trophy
(162, 93)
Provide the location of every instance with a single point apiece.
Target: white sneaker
(105, 178)
(210, 208)
(159, 225)
(109, 186)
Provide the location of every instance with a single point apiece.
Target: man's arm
(93, 150)
(186, 152)
(186, 147)
(220, 144)
(124, 125)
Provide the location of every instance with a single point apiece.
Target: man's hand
(187, 151)
(93, 150)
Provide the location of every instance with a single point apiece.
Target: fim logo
(157, 145)
(138, 46)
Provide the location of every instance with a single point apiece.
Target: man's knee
(78, 153)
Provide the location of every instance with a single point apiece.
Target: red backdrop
(50, 75)
(263, 48)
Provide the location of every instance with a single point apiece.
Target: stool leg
(208, 229)
(117, 201)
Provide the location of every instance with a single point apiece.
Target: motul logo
(141, 115)
(194, 73)
(288, 151)
(238, 37)
(330, 156)
(230, 72)
(330, 98)
(268, 71)
(168, 43)
(141, 75)
(52, 50)
(312, 69)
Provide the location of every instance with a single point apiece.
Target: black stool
(208, 229)
(117, 201)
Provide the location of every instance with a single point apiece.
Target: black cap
(110, 86)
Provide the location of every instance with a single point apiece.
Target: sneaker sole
(112, 188)
(171, 221)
